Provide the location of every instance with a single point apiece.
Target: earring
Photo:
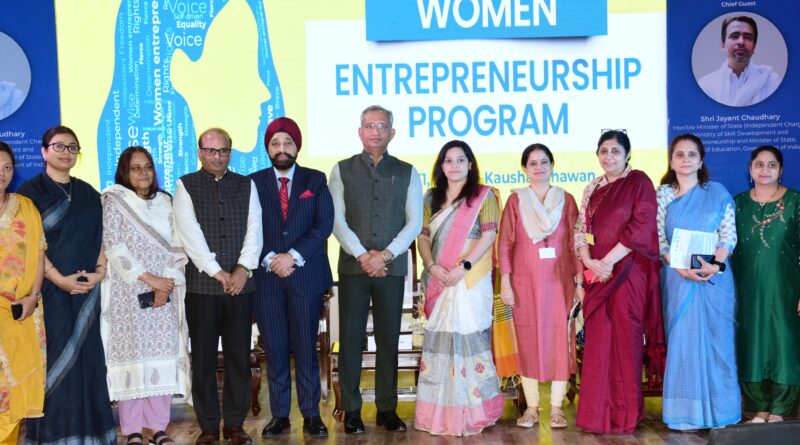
(751, 180)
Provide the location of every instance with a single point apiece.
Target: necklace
(68, 195)
(770, 199)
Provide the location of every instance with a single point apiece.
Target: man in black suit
(297, 221)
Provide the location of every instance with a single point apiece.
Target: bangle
(430, 267)
(98, 266)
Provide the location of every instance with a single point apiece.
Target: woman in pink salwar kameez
(541, 278)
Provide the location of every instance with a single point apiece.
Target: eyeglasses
(222, 152)
(380, 126)
(60, 147)
(606, 130)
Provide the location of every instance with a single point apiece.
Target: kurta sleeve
(571, 215)
(507, 237)
(175, 266)
(116, 240)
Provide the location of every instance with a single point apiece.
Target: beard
(284, 162)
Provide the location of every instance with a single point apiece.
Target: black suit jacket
(308, 225)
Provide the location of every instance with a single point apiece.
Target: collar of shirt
(214, 177)
(289, 174)
(740, 78)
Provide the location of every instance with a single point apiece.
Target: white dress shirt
(401, 242)
(298, 259)
(194, 241)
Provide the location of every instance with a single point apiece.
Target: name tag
(547, 253)
(589, 238)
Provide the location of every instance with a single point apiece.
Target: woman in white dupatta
(146, 348)
(540, 278)
(458, 391)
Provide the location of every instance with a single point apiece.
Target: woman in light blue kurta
(701, 388)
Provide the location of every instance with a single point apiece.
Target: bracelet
(48, 269)
(431, 267)
(97, 266)
(579, 285)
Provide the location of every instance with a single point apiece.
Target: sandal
(774, 418)
(130, 438)
(160, 438)
(557, 418)
(529, 418)
(757, 420)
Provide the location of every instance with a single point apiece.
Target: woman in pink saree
(458, 391)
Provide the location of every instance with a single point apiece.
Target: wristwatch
(465, 264)
(719, 264)
(248, 271)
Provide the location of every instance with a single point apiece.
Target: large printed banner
(156, 73)
(733, 82)
(483, 19)
(499, 95)
(29, 96)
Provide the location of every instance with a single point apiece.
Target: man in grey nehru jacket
(218, 218)
(378, 204)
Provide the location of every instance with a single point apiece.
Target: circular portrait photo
(15, 76)
(739, 59)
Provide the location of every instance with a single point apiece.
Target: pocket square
(307, 194)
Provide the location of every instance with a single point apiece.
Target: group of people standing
(129, 278)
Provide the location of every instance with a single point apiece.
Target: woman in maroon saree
(617, 240)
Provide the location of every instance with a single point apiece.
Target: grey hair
(389, 115)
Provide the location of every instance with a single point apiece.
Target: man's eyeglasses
(222, 152)
(60, 147)
(606, 130)
(380, 126)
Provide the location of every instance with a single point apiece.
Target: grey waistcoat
(375, 207)
(221, 208)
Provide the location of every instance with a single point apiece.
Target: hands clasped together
(446, 277)
(232, 282)
(80, 282)
(373, 263)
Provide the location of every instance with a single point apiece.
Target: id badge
(589, 238)
(547, 253)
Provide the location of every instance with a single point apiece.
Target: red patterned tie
(284, 195)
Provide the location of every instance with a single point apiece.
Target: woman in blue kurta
(76, 407)
(701, 388)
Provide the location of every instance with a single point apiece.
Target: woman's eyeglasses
(60, 147)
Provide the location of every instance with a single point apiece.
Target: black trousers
(355, 292)
(209, 317)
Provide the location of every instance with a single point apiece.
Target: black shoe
(314, 427)
(353, 423)
(390, 421)
(276, 427)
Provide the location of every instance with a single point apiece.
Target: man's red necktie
(284, 195)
